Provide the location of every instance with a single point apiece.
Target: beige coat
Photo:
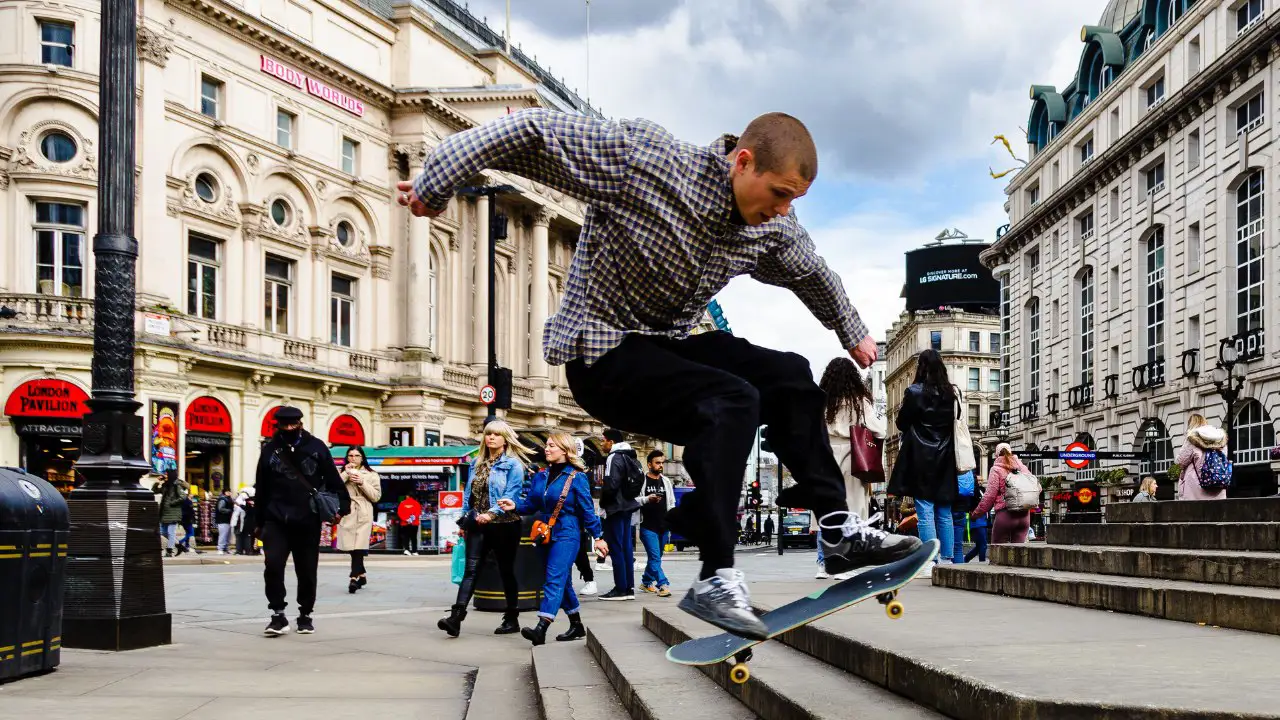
(365, 490)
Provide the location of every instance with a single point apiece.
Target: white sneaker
(407, 553)
(845, 575)
(589, 589)
(723, 601)
(821, 575)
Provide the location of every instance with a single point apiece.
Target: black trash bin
(530, 573)
(34, 527)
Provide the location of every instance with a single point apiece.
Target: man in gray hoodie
(622, 475)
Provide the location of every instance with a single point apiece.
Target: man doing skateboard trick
(669, 223)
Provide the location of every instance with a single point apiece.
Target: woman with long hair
(849, 403)
(926, 466)
(1201, 437)
(365, 488)
(497, 474)
(1146, 491)
(1010, 526)
(562, 483)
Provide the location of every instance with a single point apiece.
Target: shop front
(346, 431)
(207, 435)
(47, 414)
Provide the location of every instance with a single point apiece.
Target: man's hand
(408, 198)
(864, 353)
(602, 548)
(653, 498)
(484, 518)
(506, 504)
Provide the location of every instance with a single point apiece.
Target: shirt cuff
(852, 331)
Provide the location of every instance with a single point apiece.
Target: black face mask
(290, 436)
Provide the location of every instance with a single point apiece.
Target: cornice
(425, 101)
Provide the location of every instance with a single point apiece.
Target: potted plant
(1112, 477)
(1174, 473)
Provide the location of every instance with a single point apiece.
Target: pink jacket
(1191, 458)
(994, 496)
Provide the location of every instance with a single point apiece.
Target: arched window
(1250, 292)
(1153, 439)
(1086, 326)
(1149, 39)
(1155, 295)
(1253, 435)
(1105, 75)
(1033, 349)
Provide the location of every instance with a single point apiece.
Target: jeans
(653, 543)
(622, 548)
(224, 537)
(934, 522)
(171, 534)
(189, 534)
(504, 540)
(557, 588)
(979, 544)
(959, 519)
(302, 540)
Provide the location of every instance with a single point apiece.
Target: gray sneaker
(860, 544)
(723, 601)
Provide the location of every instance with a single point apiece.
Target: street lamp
(498, 377)
(1228, 379)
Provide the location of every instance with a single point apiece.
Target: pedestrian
(171, 491)
(769, 527)
(1201, 439)
(1011, 526)
(409, 511)
(188, 526)
(658, 498)
(293, 467)
(977, 527)
(1146, 491)
(623, 482)
(560, 495)
(926, 466)
(497, 474)
(246, 522)
(654, 253)
(849, 405)
(223, 511)
(364, 486)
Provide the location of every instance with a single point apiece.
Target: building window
(59, 231)
(1105, 75)
(1155, 92)
(1195, 249)
(1155, 296)
(1254, 435)
(1249, 114)
(210, 97)
(1005, 312)
(1249, 246)
(342, 302)
(345, 234)
(1149, 39)
(57, 147)
(1193, 56)
(1114, 288)
(202, 276)
(1055, 176)
(350, 148)
(1086, 327)
(935, 339)
(1154, 177)
(975, 379)
(1193, 149)
(57, 43)
(994, 339)
(1194, 339)
(1033, 262)
(206, 187)
(281, 213)
(285, 122)
(1033, 349)
(1115, 125)
(1085, 225)
(1157, 445)
(975, 413)
(975, 342)
(1247, 15)
(1086, 151)
(1033, 195)
(1175, 11)
(279, 291)
(993, 381)
(1115, 204)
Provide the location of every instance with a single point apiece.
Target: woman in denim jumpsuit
(497, 475)
(577, 513)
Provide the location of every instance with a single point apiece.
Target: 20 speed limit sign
(488, 394)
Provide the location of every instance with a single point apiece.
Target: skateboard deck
(881, 582)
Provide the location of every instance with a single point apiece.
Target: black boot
(537, 635)
(353, 586)
(509, 624)
(453, 623)
(576, 630)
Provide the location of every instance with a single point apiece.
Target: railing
(1028, 411)
(460, 378)
(1158, 187)
(1251, 456)
(1080, 396)
(225, 336)
(998, 418)
(1249, 26)
(297, 350)
(1250, 345)
(567, 402)
(1253, 124)
(1149, 376)
(49, 310)
(522, 391)
(1051, 404)
(1111, 386)
(1190, 363)
(363, 363)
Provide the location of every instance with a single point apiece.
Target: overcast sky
(903, 98)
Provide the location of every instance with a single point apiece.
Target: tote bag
(459, 561)
(964, 445)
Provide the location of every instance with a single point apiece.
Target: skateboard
(882, 582)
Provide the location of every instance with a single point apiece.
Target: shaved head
(780, 143)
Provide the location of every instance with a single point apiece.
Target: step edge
(537, 682)
(1256, 562)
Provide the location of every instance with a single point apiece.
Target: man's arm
(797, 266)
(585, 157)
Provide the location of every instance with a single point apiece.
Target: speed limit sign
(488, 394)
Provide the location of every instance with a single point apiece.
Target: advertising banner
(164, 438)
(447, 516)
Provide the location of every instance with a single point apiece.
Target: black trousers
(302, 540)
(583, 562)
(709, 393)
(503, 540)
(357, 562)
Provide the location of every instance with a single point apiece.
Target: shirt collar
(727, 216)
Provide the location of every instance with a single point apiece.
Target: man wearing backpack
(1013, 491)
(623, 483)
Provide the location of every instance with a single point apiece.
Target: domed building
(1134, 268)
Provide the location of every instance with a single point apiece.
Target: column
(480, 307)
(383, 326)
(234, 300)
(453, 304)
(158, 253)
(252, 277)
(538, 298)
(320, 294)
(419, 242)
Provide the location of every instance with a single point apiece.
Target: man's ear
(743, 160)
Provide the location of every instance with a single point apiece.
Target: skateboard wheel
(894, 610)
(739, 674)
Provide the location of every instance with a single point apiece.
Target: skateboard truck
(892, 606)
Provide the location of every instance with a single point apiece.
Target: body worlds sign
(312, 86)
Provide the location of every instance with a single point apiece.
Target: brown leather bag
(540, 533)
(866, 459)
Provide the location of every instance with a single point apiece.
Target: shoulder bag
(866, 456)
(963, 444)
(324, 502)
(541, 532)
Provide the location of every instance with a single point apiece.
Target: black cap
(288, 414)
(613, 434)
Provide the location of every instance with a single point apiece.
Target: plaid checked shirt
(658, 242)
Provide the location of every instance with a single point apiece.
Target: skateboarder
(669, 224)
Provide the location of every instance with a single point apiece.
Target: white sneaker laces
(854, 526)
(735, 589)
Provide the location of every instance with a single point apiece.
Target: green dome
(1119, 12)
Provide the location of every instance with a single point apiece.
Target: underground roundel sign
(1078, 463)
(488, 394)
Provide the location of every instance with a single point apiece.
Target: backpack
(965, 482)
(1216, 471)
(634, 484)
(1021, 491)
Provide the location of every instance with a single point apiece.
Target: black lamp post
(499, 378)
(115, 583)
(1229, 380)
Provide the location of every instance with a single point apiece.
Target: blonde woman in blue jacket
(497, 475)
(577, 513)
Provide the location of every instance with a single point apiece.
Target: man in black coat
(622, 473)
(293, 465)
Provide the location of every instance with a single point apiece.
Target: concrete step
(1228, 606)
(977, 657)
(1263, 537)
(1243, 510)
(1226, 567)
(571, 684)
(786, 684)
(649, 686)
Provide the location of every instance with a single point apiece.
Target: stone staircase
(1212, 563)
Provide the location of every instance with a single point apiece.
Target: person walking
(293, 467)
(768, 530)
(223, 511)
(1201, 438)
(658, 498)
(560, 495)
(409, 511)
(245, 521)
(622, 485)
(926, 466)
(636, 290)
(1010, 526)
(364, 486)
(497, 474)
(188, 526)
(850, 404)
(171, 491)
(977, 526)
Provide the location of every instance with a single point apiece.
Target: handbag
(541, 532)
(965, 481)
(866, 456)
(964, 445)
(458, 563)
(324, 502)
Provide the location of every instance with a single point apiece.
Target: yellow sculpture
(1007, 146)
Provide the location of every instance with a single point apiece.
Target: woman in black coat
(926, 466)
